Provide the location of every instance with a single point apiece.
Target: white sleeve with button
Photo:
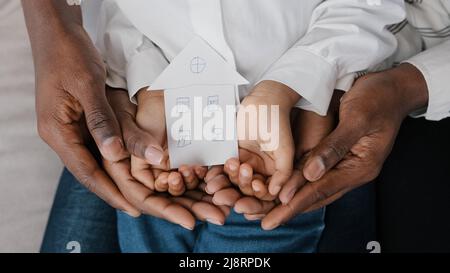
(434, 64)
(132, 60)
(344, 37)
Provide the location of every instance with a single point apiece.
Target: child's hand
(151, 118)
(251, 173)
(275, 150)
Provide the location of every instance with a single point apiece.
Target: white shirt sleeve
(344, 37)
(434, 64)
(132, 60)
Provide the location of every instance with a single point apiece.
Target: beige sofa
(29, 170)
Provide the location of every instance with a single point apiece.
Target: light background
(29, 170)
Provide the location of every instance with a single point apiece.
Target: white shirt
(430, 22)
(312, 46)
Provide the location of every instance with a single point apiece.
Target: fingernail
(275, 190)
(186, 173)
(237, 210)
(233, 167)
(245, 172)
(208, 191)
(215, 222)
(154, 156)
(112, 147)
(131, 214)
(269, 226)
(315, 170)
(187, 227)
(289, 196)
(256, 188)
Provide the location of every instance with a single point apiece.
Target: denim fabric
(350, 222)
(149, 234)
(80, 216)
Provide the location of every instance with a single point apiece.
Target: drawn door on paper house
(199, 88)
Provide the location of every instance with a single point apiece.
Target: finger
(176, 185)
(146, 200)
(248, 191)
(142, 172)
(138, 142)
(256, 161)
(216, 184)
(291, 187)
(200, 196)
(143, 145)
(203, 211)
(213, 172)
(254, 217)
(332, 183)
(260, 190)
(330, 151)
(226, 210)
(327, 201)
(202, 187)
(189, 177)
(201, 171)
(226, 197)
(231, 168)
(284, 159)
(245, 175)
(161, 182)
(251, 205)
(78, 159)
(259, 186)
(102, 123)
(279, 178)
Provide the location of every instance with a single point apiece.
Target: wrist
(279, 93)
(411, 87)
(52, 23)
(143, 95)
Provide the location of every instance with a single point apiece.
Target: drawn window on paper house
(199, 74)
(184, 138)
(183, 104)
(213, 103)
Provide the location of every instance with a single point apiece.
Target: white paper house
(199, 85)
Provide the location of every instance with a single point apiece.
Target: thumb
(284, 165)
(143, 144)
(138, 142)
(331, 151)
(103, 125)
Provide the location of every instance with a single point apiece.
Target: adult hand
(70, 80)
(353, 154)
(182, 210)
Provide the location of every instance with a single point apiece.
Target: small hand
(182, 210)
(152, 168)
(309, 130)
(353, 154)
(278, 146)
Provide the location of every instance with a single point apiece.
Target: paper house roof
(197, 64)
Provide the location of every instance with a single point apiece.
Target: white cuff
(142, 69)
(435, 67)
(346, 82)
(309, 74)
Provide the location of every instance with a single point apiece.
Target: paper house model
(200, 90)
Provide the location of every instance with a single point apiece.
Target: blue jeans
(150, 234)
(78, 215)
